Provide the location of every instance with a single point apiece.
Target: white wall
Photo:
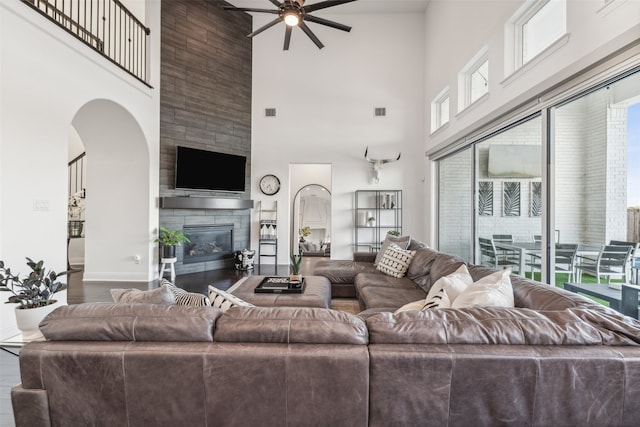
(456, 30)
(325, 102)
(46, 78)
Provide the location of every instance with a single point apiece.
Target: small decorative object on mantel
(33, 294)
(295, 276)
(169, 239)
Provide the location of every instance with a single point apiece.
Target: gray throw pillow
(402, 241)
(161, 295)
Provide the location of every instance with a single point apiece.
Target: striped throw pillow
(224, 300)
(183, 297)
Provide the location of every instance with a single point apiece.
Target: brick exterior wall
(205, 103)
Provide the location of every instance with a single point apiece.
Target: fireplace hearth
(208, 243)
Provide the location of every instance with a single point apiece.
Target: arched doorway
(118, 228)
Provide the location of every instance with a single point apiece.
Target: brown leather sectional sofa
(557, 359)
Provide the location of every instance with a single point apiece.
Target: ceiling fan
(294, 14)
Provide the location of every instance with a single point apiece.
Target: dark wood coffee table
(317, 293)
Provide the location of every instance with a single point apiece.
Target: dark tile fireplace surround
(216, 226)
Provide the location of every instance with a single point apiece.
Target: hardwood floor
(80, 292)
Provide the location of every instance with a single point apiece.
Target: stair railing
(105, 25)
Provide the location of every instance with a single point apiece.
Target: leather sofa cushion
(493, 325)
(443, 265)
(388, 296)
(304, 325)
(130, 322)
(338, 271)
(421, 266)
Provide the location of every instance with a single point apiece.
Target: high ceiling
(359, 6)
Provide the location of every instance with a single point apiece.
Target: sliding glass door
(455, 204)
(597, 168)
(509, 194)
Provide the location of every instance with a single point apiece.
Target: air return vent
(269, 112)
(380, 112)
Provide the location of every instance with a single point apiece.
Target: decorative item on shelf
(304, 232)
(33, 294)
(371, 220)
(394, 232)
(169, 239)
(296, 262)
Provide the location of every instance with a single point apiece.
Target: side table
(13, 342)
(170, 268)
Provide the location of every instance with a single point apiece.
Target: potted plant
(294, 275)
(394, 232)
(169, 239)
(304, 232)
(33, 294)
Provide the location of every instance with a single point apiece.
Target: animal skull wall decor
(377, 164)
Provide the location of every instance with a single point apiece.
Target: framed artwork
(485, 198)
(511, 199)
(536, 199)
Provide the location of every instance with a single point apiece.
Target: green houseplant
(33, 294)
(169, 239)
(296, 262)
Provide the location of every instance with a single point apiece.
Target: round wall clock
(269, 185)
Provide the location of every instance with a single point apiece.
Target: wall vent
(269, 112)
(380, 112)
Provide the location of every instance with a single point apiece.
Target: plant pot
(28, 320)
(295, 278)
(169, 251)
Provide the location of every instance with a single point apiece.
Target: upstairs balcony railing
(105, 25)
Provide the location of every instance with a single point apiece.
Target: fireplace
(208, 243)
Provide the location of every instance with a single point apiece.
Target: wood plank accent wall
(205, 103)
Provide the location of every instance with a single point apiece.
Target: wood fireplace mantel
(187, 202)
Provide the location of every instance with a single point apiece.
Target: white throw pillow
(447, 288)
(412, 306)
(224, 300)
(402, 241)
(494, 290)
(395, 261)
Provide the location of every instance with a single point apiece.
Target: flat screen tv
(209, 170)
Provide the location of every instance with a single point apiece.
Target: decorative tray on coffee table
(273, 284)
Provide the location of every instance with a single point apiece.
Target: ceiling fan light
(291, 19)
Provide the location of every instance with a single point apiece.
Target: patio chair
(504, 253)
(612, 261)
(564, 260)
(489, 257)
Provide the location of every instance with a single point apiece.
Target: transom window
(473, 80)
(440, 110)
(532, 30)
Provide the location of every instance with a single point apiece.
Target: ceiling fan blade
(249, 9)
(266, 27)
(287, 37)
(325, 4)
(309, 33)
(276, 3)
(326, 22)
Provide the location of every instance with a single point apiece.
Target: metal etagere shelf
(376, 213)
